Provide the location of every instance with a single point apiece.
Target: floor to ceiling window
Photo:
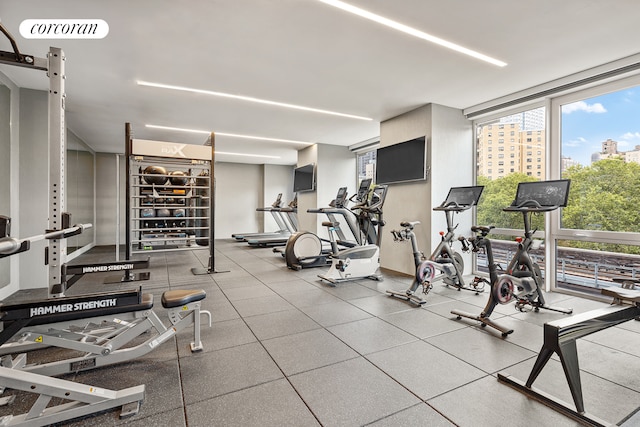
(509, 149)
(598, 233)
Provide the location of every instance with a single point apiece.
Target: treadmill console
(341, 198)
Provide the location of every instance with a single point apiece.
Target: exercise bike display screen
(546, 193)
(464, 196)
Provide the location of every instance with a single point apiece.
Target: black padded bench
(560, 337)
(17, 316)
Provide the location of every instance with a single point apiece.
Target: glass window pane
(366, 165)
(582, 264)
(501, 183)
(601, 155)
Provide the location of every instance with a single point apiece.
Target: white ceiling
(305, 52)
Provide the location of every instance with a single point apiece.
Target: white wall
(336, 168)
(238, 194)
(277, 179)
(452, 146)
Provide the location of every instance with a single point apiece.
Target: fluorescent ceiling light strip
(411, 31)
(246, 155)
(234, 135)
(249, 98)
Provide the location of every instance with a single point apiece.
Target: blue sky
(586, 124)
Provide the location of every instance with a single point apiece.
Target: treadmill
(284, 228)
(288, 216)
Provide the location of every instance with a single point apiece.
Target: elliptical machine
(443, 259)
(362, 261)
(523, 280)
(305, 249)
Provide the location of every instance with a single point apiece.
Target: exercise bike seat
(330, 224)
(177, 298)
(484, 230)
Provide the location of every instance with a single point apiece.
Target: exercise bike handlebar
(530, 206)
(10, 245)
(452, 206)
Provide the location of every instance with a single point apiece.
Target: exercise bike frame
(520, 270)
(445, 248)
(425, 274)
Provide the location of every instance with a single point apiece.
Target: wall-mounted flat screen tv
(304, 178)
(402, 162)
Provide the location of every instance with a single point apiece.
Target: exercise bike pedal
(426, 287)
(407, 297)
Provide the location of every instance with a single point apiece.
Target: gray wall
(80, 197)
(5, 172)
(407, 201)
(33, 184)
(449, 162)
(106, 208)
(308, 199)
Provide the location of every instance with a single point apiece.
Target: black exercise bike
(522, 280)
(444, 258)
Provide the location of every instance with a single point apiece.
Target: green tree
(497, 195)
(604, 196)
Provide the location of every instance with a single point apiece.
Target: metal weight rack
(168, 216)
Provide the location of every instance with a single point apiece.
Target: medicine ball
(147, 201)
(152, 175)
(178, 178)
(170, 201)
(159, 200)
(163, 212)
(148, 213)
(178, 213)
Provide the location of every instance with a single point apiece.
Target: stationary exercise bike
(443, 259)
(361, 261)
(523, 280)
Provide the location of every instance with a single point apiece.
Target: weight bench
(560, 337)
(100, 325)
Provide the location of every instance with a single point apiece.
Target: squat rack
(82, 399)
(53, 65)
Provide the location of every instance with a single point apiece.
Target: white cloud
(575, 142)
(596, 108)
(631, 136)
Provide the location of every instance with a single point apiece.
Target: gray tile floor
(288, 350)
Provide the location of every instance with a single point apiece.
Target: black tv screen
(304, 178)
(401, 162)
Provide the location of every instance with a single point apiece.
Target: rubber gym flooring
(287, 350)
